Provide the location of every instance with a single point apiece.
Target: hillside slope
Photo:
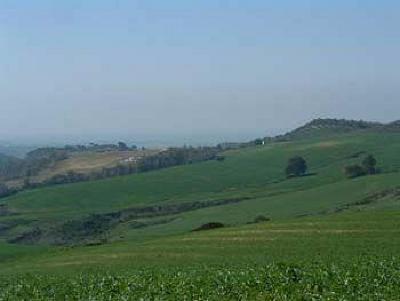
(247, 183)
(321, 235)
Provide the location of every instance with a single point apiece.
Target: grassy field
(338, 238)
(256, 173)
(346, 256)
(335, 237)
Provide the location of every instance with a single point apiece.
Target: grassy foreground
(363, 280)
(346, 256)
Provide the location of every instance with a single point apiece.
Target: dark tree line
(94, 147)
(42, 158)
(32, 164)
(11, 167)
(5, 191)
(178, 156)
(167, 158)
(75, 177)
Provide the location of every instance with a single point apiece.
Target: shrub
(354, 171)
(367, 167)
(259, 141)
(220, 158)
(210, 226)
(261, 219)
(297, 167)
(369, 164)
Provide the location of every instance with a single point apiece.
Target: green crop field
(350, 256)
(326, 237)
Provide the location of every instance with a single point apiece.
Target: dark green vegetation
(297, 167)
(176, 157)
(322, 235)
(367, 167)
(342, 256)
(10, 167)
(14, 168)
(269, 282)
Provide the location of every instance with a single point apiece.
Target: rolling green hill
(250, 178)
(146, 221)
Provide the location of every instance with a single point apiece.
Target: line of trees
(13, 168)
(5, 191)
(94, 147)
(75, 177)
(35, 161)
(167, 158)
(178, 156)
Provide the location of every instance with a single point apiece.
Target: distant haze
(193, 70)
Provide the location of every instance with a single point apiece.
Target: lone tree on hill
(259, 141)
(122, 146)
(297, 167)
(369, 165)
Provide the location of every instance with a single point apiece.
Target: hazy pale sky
(180, 67)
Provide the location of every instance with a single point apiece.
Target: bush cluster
(367, 167)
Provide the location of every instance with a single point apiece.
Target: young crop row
(364, 280)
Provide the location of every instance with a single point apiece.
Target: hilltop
(329, 126)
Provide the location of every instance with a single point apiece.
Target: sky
(178, 68)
